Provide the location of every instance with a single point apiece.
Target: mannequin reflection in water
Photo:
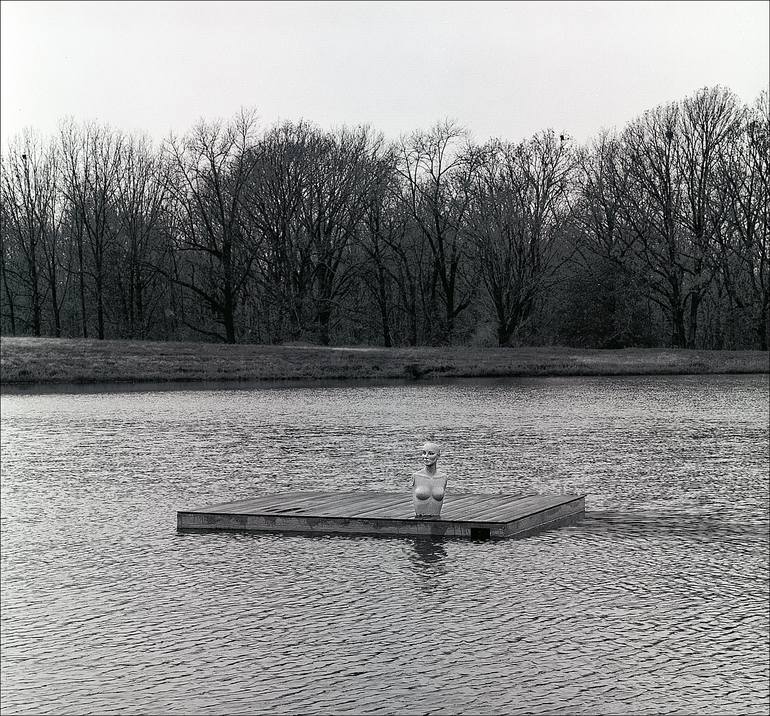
(428, 484)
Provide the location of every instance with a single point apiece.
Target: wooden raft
(385, 513)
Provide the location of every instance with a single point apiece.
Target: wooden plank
(557, 515)
(464, 502)
(342, 506)
(282, 523)
(493, 513)
(547, 503)
(467, 509)
(301, 502)
(222, 506)
(358, 512)
(261, 502)
(491, 508)
(297, 501)
(504, 512)
(298, 504)
(279, 502)
(347, 506)
(539, 516)
(396, 505)
(394, 512)
(468, 505)
(342, 500)
(498, 510)
(471, 510)
(461, 499)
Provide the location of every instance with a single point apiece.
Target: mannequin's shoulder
(438, 475)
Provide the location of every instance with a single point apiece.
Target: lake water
(656, 603)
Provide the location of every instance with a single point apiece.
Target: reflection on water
(655, 603)
(428, 556)
(429, 551)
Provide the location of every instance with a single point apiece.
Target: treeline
(653, 235)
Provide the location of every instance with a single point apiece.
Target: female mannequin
(428, 484)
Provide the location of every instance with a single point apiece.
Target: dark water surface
(656, 603)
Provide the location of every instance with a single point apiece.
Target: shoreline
(17, 389)
(29, 362)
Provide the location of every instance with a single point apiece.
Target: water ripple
(656, 603)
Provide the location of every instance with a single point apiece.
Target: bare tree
(519, 222)
(92, 167)
(652, 213)
(334, 200)
(211, 168)
(603, 262)
(709, 123)
(8, 273)
(141, 207)
(672, 209)
(56, 249)
(438, 170)
(27, 195)
(660, 232)
(603, 190)
(744, 239)
(273, 201)
(390, 272)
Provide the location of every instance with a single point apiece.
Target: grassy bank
(50, 360)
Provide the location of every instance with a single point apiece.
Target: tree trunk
(679, 336)
(81, 276)
(386, 338)
(228, 312)
(11, 309)
(383, 301)
(324, 321)
(99, 307)
(139, 304)
(412, 318)
(55, 304)
(33, 277)
(695, 300)
(763, 327)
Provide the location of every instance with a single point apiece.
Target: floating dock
(388, 514)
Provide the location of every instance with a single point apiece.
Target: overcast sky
(503, 69)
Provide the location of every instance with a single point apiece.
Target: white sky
(503, 69)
